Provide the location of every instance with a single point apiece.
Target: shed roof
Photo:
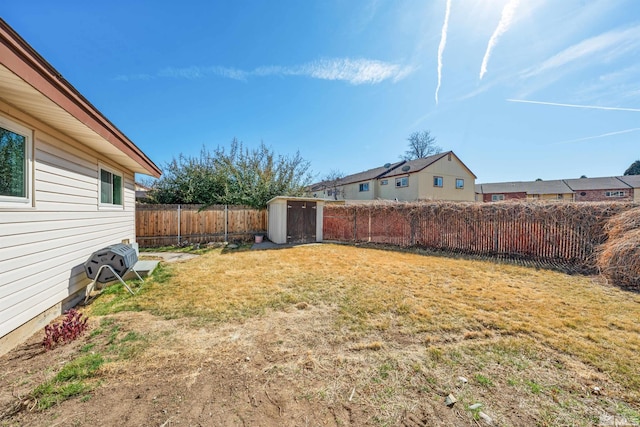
(299, 199)
(30, 84)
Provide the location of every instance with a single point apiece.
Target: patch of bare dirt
(286, 368)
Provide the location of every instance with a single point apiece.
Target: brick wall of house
(507, 196)
(600, 196)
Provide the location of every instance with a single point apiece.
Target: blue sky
(518, 89)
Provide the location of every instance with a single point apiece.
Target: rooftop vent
(406, 168)
(387, 165)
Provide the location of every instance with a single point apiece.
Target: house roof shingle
(606, 183)
(557, 186)
(632, 180)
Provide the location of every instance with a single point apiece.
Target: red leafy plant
(71, 327)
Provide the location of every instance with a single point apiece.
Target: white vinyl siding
(42, 250)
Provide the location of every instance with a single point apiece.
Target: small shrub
(71, 327)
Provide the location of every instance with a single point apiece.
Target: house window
(459, 183)
(110, 188)
(384, 182)
(497, 197)
(560, 196)
(402, 182)
(364, 186)
(437, 181)
(614, 193)
(15, 164)
(330, 192)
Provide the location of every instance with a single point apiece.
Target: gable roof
(367, 175)
(394, 169)
(30, 84)
(417, 165)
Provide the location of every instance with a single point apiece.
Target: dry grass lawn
(378, 337)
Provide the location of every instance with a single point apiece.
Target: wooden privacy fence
(556, 233)
(163, 225)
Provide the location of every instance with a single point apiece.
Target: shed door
(301, 222)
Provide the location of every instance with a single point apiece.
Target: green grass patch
(69, 382)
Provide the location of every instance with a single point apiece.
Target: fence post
(226, 223)
(179, 225)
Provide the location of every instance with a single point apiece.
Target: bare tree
(331, 183)
(421, 144)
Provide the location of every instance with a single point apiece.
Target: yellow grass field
(365, 336)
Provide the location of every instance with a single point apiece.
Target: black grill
(119, 257)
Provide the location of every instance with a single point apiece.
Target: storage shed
(295, 219)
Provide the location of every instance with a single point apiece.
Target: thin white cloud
(591, 107)
(606, 46)
(441, 46)
(126, 78)
(508, 13)
(353, 71)
(604, 135)
(200, 72)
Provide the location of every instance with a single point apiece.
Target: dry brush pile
(619, 256)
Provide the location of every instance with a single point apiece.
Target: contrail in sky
(443, 43)
(620, 132)
(505, 22)
(591, 107)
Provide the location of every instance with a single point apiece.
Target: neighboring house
(542, 190)
(634, 182)
(66, 189)
(600, 189)
(621, 188)
(142, 193)
(439, 177)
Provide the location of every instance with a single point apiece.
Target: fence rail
(553, 233)
(163, 225)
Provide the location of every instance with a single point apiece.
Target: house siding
(352, 191)
(43, 247)
(599, 195)
(449, 170)
(403, 194)
(486, 197)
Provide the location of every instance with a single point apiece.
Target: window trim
(112, 171)
(438, 181)
(400, 180)
(459, 187)
(497, 197)
(27, 133)
(384, 182)
(364, 186)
